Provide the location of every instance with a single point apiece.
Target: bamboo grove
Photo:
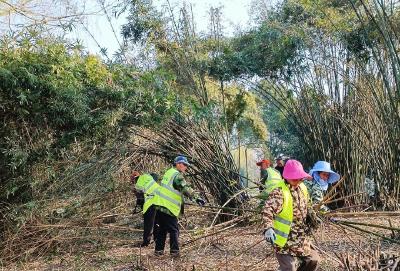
(320, 78)
(341, 93)
(348, 109)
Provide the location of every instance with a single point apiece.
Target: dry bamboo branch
(373, 233)
(369, 225)
(363, 214)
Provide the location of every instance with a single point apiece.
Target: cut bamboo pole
(363, 214)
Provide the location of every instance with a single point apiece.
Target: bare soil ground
(239, 247)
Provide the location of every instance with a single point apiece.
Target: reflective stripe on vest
(283, 221)
(149, 187)
(171, 189)
(167, 195)
(167, 198)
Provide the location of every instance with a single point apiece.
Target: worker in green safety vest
(267, 173)
(169, 206)
(268, 176)
(285, 216)
(145, 186)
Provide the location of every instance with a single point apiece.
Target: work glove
(200, 201)
(269, 236)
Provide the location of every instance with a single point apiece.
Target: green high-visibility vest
(273, 175)
(148, 186)
(283, 221)
(167, 195)
(273, 178)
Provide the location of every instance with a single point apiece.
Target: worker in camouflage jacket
(286, 218)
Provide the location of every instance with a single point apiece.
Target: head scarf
(322, 183)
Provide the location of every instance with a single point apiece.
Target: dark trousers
(308, 263)
(149, 228)
(167, 224)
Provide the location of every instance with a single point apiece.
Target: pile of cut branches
(212, 169)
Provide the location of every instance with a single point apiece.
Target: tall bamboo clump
(357, 123)
(213, 169)
(347, 109)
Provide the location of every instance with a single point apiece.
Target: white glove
(269, 235)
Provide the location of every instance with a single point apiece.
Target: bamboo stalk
(345, 197)
(223, 208)
(369, 225)
(208, 235)
(363, 214)
(329, 194)
(374, 233)
(349, 207)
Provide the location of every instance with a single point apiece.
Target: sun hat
(294, 170)
(181, 159)
(325, 167)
